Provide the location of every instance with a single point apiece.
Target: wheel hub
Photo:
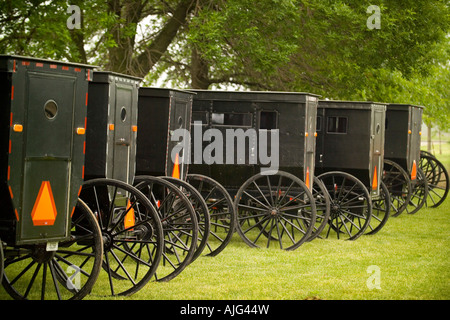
(274, 212)
(40, 254)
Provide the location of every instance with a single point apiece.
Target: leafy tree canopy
(320, 46)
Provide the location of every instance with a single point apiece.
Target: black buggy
(43, 125)
(349, 161)
(261, 147)
(164, 121)
(403, 175)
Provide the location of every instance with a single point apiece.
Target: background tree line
(320, 46)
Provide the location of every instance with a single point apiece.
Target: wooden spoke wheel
(1, 261)
(221, 211)
(131, 231)
(201, 211)
(69, 272)
(380, 210)
(275, 211)
(437, 178)
(322, 200)
(179, 223)
(399, 186)
(351, 206)
(419, 193)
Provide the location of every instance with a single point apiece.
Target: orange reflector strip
(414, 171)
(12, 92)
(18, 128)
(111, 127)
(44, 210)
(130, 219)
(134, 128)
(81, 131)
(375, 179)
(176, 169)
(307, 178)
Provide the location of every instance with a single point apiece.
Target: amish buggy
(42, 163)
(349, 161)
(261, 147)
(403, 176)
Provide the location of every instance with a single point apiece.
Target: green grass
(411, 252)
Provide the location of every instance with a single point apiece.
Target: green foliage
(320, 46)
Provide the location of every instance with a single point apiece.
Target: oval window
(50, 109)
(123, 114)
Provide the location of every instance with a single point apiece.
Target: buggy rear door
(310, 140)
(414, 129)
(122, 132)
(377, 151)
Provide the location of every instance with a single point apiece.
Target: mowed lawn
(407, 259)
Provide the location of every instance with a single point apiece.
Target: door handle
(122, 142)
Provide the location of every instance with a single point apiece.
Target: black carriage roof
(347, 104)
(269, 96)
(105, 76)
(402, 106)
(161, 92)
(5, 57)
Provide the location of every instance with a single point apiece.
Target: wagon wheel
(201, 211)
(322, 200)
(70, 272)
(179, 222)
(277, 210)
(399, 186)
(351, 206)
(419, 193)
(437, 178)
(1, 261)
(221, 210)
(426, 153)
(380, 210)
(131, 230)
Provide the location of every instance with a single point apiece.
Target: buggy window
(337, 125)
(319, 123)
(232, 119)
(200, 116)
(268, 120)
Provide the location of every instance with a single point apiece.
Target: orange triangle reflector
(176, 168)
(44, 210)
(375, 179)
(307, 178)
(130, 218)
(414, 171)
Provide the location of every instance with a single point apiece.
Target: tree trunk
(429, 138)
(143, 63)
(199, 71)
